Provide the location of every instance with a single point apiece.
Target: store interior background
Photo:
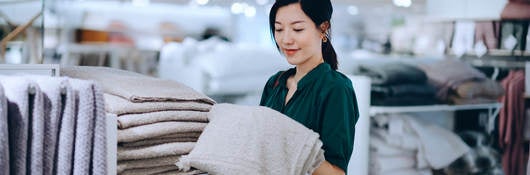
(166, 38)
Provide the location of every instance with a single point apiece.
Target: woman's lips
(290, 52)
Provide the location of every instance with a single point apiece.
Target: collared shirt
(325, 102)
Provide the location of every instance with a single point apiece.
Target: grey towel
(178, 172)
(36, 148)
(117, 105)
(51, 89)
(158, 141)
(130, 120)
(16, 91)
(254, 140)
(158, 129)
(99, 154)
(147, 163)
(151, 170)
(84, 125)
(65, 146)
(136, 88)
(168, 149)
(4, 134)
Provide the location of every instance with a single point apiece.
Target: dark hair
(319, 11)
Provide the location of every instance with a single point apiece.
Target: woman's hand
(327, 168)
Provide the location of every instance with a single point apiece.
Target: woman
(313, 93)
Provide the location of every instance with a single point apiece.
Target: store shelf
(374, 110)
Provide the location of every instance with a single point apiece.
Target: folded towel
(4, 134)
(484, 88)
(65, 146)
(158, 141)
(147, 163)
(16, 91)
(51, 89)
(168, 149)
(392, 73)
(254, 140)
(130, 120)
(136, 88)
(178, 172)
(158, 129)
(99, 154)
(117, 105)
(380, 147)
(151, 170)
(84, 125)
(390, 163)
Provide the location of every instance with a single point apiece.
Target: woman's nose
(287, 38)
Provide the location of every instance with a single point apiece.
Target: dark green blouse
(324, 102)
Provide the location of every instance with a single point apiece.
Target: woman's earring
(324, 38)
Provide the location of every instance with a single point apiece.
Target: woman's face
(297, 36)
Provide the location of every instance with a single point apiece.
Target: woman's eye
(278, 30)
(298, 30)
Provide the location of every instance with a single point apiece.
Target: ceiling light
(402, 3)
(262, 2)
(353, 10)
(202, 2)
(237, 8)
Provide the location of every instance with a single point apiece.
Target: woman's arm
(327, 168)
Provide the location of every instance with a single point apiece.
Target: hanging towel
(51, 89)
(4, 134)
(16, 91)
(130, 120)
(117, 105)
(147, 163)
(136, 88)
(158, 129)
(36, 145)
(254, 140)
(67, 131)
(168, 149)
(84, 125)
(99, 154)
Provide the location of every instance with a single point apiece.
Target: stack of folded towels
(158, 120)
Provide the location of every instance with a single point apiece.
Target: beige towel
(254, 140)
(158, 141)
(134, 87)
(176, 172)
(151, 170)
(147, 163)
(168, 149)
(130, 120)
(158, 129)
(117, 105)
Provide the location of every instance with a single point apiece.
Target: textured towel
(84, 125)
(176, 172)
(392, 73)
(151, 170)
(130, 120)
(147, 163)
(158, 129)
(37, 115)
(4, 134)
(16, 91)
(117, 105)
(65, 148)
(51, 89)
(99, 154)
(136, 88)
(168, 149)
(158, 141)
(390, 163)
(254, 140)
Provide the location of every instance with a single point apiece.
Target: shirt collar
(308, 78)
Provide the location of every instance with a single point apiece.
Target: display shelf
(374, 110)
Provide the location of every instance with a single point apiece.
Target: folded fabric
(117, 105)
(147, 163)
(379, 147)
(158, 129)
(16, 91)
(136, 88)
(390, 163)
(400, 90)
(475, 100)
(4, 134)
(403, 101)
(178, 172)
(484, 88)
(158, 141)
(168, 149)
(150, 170)
(130, 120)
(392, 73)
(254, 140)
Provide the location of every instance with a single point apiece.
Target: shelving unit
(493, 108)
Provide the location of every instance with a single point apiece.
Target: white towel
(380, 147)
(16, 91)
(254, 140)
(151, 170)
(392, 163)
(130, 120)
(99, 154)
(67, 130)
(157, 130)
(117, 105)
(134, 87)
(4, 134)
(51, 89)
(147, 163)
(36, 150)
(168, 149)
(84, 125)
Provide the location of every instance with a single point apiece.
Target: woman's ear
(324, 26)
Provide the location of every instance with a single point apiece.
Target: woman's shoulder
(336, 79)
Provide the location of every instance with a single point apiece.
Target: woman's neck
(306, 67)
